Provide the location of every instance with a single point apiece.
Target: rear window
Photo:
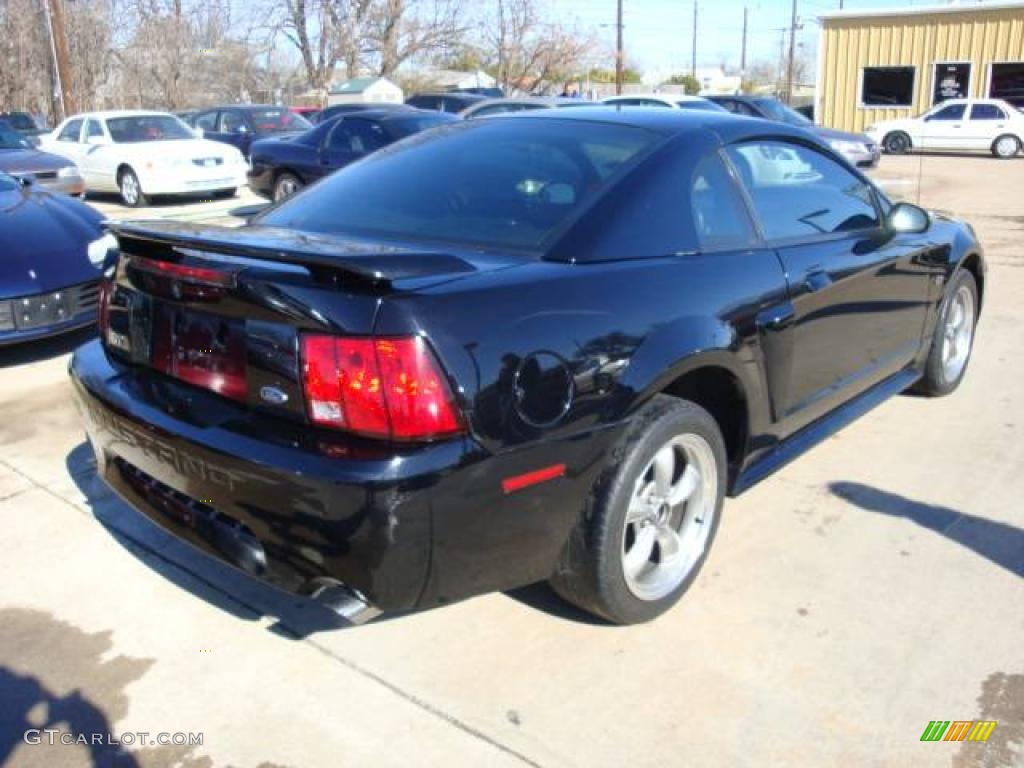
(278, 121)
(21, 121)
(495, 183)
(406, 126)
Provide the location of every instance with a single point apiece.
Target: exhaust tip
(345, 601)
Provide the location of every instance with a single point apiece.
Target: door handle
(816, 281)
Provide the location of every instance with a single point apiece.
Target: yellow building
(890, 63)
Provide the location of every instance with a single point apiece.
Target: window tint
(638, 102)
(93, 129)
(139, 128)
(502, 183)
(424, 102)
(887, 87)
(70, 131)
(798, 192)
(207, 121)
(358, 136)
(987, 112)
(720, 217)
(952, 112)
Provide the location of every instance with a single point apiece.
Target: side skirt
(823, 428)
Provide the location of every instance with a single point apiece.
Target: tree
(691, 84)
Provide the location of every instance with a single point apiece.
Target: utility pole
(693, 60)
(618, 50)
(56, 99)
(792, 52)
(62, 59)
(743, 50)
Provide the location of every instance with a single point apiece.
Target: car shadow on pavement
(542, 597)
(27, 352)
(998, 542)
(217, 583)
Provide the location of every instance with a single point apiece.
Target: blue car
(53, 252)
(280, 167)
(242, 124)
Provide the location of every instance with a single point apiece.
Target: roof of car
(670, 122)
(670, 97)
(112, 113)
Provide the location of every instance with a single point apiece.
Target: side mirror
(907, 219)
(27, 179)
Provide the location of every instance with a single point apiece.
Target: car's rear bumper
(296, 508)
(224, 177)
(68, 185)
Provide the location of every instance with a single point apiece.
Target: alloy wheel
(670, 517)
(130, 188)
(958, 333)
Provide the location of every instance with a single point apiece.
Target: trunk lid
(223, 308)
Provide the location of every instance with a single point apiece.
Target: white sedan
(989, 125)
(672, 100)
(142, 154)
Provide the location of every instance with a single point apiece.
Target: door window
(93, 130)
(207, 121)
(70, 131)
(987, 112)
(952, 112)
(362, 136)
(798, 192)
(232, 122)
(719, 214)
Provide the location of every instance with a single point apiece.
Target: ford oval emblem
(273, 395)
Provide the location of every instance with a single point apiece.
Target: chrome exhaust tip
(345, 601)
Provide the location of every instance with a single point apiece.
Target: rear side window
(987, 112)
(500, 183)
(720, 216)
(207, 121)
(798, 192)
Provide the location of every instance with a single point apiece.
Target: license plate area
(206, 350)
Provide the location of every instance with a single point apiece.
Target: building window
(1008, 82)
(887, 87)
(950, 81)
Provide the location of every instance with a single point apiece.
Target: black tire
(591, 573)
(937, 381)
(1001, 146)
(285, 185)
(131, 196)
(896, 143)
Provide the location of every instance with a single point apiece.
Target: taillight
(390, 388)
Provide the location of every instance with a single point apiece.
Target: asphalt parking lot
(872, 586)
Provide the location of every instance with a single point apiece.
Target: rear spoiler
(373, 262)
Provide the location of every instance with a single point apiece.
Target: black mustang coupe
(543, 346)
(53, 250)
(280, 167)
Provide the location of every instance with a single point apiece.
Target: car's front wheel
(286, 185)
(953, 339)
(131, 190)
(1005, 147)
(651, 518)
(896, 143)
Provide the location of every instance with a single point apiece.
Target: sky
(658, 34)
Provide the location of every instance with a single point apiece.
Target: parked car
(241, 125)
(359, 106)
(673, 100)
(19, 157)
(24, 124)
(522, 104)
(449, 101)
(282, 167)
(54, 249)
(859, 150)
(143, 154)
(983, 125)
(539, 347)
(186, 115)
(310, 113)
(491, 92)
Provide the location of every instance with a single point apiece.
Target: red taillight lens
(391, 388)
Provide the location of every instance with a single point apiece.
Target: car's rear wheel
(953, 339)
(1006, 146)
(287, 184)
(651, 518)
(896, 143)
(131, 190)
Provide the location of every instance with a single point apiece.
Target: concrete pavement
(872, 586)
